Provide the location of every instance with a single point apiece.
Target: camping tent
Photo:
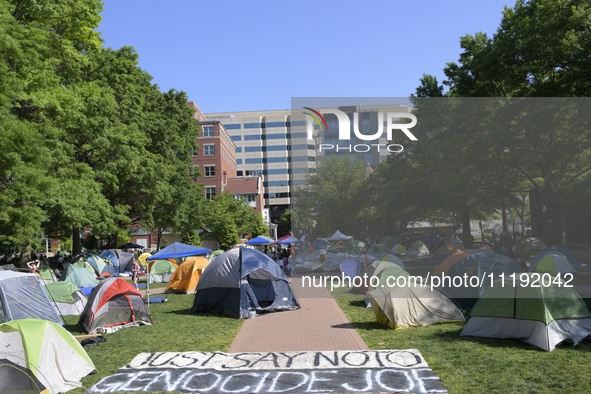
(79, 276)
(99, 264)
(528, 245)
(186, 276)
(338, 236)
(178, 250)
(433, 241)
(412, 306)
(22, 296)
(553, 264)
(287, 239)
(487, 266)
(243, 280)
(67, 298)
(417, 249)
(121, 260)
(543, 316)
(448, 262)
(570, 257)
(398, 250)
(115, 302)
(48, 355)
(161, 270)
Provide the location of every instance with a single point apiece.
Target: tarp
(541, 315)
(178, 250)
(22, 296)
(48, 351)
(243, 281)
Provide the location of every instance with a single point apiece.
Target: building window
(208, 150)
(210, 192)
(209, 171)
(208, 131)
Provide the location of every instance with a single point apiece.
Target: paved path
(319, 325)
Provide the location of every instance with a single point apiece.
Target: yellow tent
(186, 277)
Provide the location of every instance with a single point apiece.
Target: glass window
(252, 125)
(275, 124)
(209, 170)
(252, 148)
(276, 148)
(236, 138)
(232, 126)
(238, 149)
(208, 131)
(252, 137)
(276, 183)
(208, 150)
(253, 161)
(210, 192)
(276, 136)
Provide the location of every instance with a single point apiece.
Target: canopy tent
(131, 245)
(22, 296)
(338, 236)
(49, 356)
(542, 316)
(243, 281)
(260, 240)
(287, 239)
(178, 250)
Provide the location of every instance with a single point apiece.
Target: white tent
(338, 236)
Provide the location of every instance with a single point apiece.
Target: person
(135, 272)
(34, 266)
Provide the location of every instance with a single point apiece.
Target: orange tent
(450, 260)
(186, 277)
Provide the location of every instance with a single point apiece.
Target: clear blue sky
(256, 55)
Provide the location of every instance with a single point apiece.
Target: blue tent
(260, 240)
(242, 282)
(178, 250)
(553, 249)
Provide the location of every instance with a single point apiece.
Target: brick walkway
(318, 325)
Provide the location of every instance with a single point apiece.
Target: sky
(232, 56)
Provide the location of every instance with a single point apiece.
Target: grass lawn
(175, 329)
(477, 365)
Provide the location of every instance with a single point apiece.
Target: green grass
(477, 365)
(175, 329)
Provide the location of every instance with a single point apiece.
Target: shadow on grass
(358, 303)
(189, 312)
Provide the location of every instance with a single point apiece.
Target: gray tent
(243, 280)
(22, 296)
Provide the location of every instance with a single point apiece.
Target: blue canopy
(260, 240)
(178, 250)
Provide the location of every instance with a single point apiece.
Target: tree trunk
(467, 237)
(158, 238)
(76, 243)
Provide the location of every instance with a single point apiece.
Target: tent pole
(148, 285)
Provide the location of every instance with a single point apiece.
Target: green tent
(531, 308)
(81, 277)
(67, 298)
(46, 274)
(45, 352)
(161, 270)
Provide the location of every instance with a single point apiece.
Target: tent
(79, 276)
(553, 264)
(338, 236)
(161, 270)
(287, 239)
(84, 264)
(216, 253)
(541, 315)
(448, 262)
(528, 245)
(115, 302)
(570, 257)
(433, 241)
(350, 268)
(143, 257)
(187, 275)
(391, 240)
(260, 240)
(22, 296)
(121, 260)
(378, 250)
(178, 250)
(393, 259)
(241, 281)
(398, 250)
(320, 243)
(485, 265)
(42, 354)
(46, 274)
(412, 306)
(67, 298)
(131, 245)
(456, 242)
(417, 249)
